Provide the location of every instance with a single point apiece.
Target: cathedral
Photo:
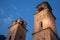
(44, 25)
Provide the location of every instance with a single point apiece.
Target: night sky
(10, 10)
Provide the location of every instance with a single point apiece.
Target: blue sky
(10, 10)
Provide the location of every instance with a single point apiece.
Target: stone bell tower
(44, 23)
(17, 31)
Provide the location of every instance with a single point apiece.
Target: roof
(18, 21)
(45, 3)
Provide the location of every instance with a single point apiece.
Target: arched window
(20, 37)
(40, 9)
(10, 38)
(22, 23)
(41, 24)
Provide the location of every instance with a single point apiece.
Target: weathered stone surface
(17, 31)
(46, 34)
(44, 19)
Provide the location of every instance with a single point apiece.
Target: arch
(10, 38)
(41, 24)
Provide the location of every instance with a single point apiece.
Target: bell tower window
(20, 37)
(41, 24)
(40, 9)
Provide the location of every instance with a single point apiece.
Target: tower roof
(19, 21)
(44, 5)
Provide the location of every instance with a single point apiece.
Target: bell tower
(17, 31)
(44, 23)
